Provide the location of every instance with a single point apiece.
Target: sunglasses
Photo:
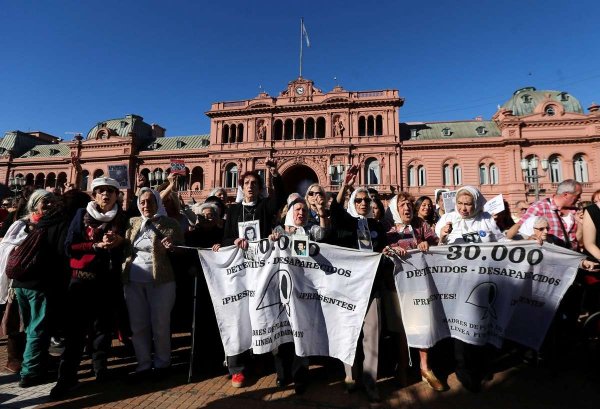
(362, 199)
(542, 228)
(311, 193)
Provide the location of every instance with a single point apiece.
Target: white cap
(104, 182)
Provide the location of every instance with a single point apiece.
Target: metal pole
(190, 371)
(301, 25)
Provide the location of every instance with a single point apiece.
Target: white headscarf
(289, 216)
(160, 208)
(478, 199)
(352, 209)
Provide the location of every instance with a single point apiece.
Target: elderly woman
(261, 211)
(468, 223)
(358, 230)
(315, 198)
(287, 363)
(221, 193)
(150, 282)
(95, 246)
(34, 291)
(409, 232)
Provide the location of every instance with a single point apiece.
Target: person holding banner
(296, 223)
(409, 232)
(468, 223)
(358, 230)
(149, 283)
(261, 213)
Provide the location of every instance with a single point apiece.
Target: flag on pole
(305, 34)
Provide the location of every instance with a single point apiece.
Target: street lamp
(157, 178)
(525, 166)
(15, 184)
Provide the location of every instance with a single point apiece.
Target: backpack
(23, 259)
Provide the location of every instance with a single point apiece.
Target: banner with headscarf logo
(483, 293)
(264, 297)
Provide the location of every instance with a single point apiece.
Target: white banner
(264, 297)
(483, 293)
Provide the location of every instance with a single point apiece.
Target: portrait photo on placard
(300, 245)
(249, 230)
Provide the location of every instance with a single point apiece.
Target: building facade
(534, 141)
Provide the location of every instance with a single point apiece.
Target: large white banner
(483, 293)
(264, 297)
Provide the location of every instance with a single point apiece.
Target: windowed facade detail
(581, 169)
(421, 176)
(231, 176)
(372, 174)
(555, 169)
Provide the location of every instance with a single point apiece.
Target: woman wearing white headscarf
(149, 282)
(297, 221)
(355, 228)
(468, 223)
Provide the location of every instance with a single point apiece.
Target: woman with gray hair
(35, 287)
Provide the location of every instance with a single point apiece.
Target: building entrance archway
(298, 178)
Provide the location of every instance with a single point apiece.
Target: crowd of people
(97, 269)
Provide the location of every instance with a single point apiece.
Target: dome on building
(524, 101)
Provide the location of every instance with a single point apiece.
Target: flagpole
(301, 26)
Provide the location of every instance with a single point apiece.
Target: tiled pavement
(519, 386)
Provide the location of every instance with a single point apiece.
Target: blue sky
(67, 65)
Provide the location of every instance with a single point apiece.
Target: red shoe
(237, 380)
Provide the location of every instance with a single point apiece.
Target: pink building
(315, 136)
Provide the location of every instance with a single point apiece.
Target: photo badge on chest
(249, 230)
(300, 245)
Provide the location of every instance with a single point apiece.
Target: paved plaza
(572, 384)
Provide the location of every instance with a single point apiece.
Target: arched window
(372, 175)
(225, 134)
(457, 173)
(494, 175)
(197, 179)
(370, 126)
(231, 176)
(288, 130)
(581, 169)
(320, 127)
(531, 171)
(240, 133)
(555, 169)
(299, 129)
(278, 130)
(232, 133)
(39, 180)
(483, 174)
(85, 176)
(410, 176)
(421, 176)
(51, 180)
(61, 180)
(98, 173)
(362, 126)
(379, 125)
(29, 179)
(310, 128)
(446, 178)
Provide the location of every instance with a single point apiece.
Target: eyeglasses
(103, 189)
(542, 228)
(362, 199)
(523, 209)
(312, 193)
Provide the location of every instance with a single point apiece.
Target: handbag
(23, 260)
(11, 320)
